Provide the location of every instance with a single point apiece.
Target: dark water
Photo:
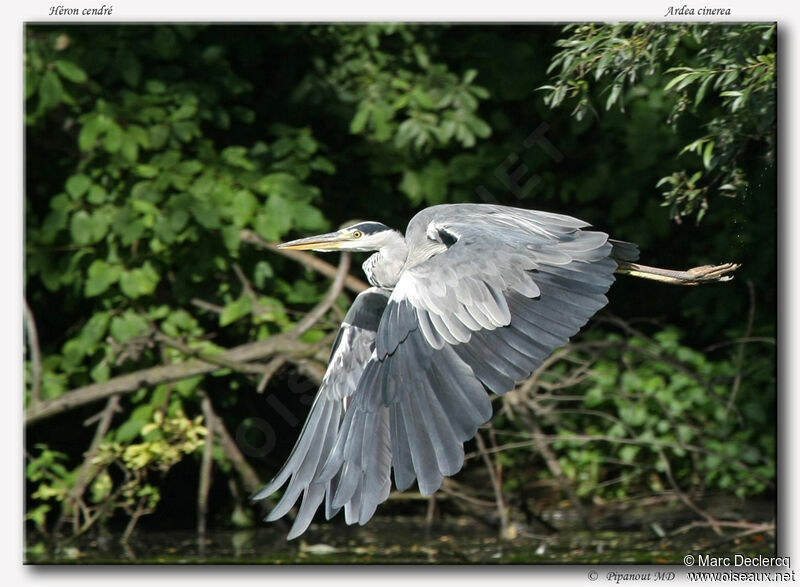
(406, 541)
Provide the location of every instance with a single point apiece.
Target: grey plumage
(474, 298)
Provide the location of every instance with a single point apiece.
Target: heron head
(361, 237)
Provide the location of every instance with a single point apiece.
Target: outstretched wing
(351, 351)
(488, 293)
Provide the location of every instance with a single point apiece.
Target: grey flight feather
(482, 295)
(349, 355)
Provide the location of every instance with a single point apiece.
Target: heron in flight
(473, 298)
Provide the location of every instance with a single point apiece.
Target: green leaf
(237, 156)
(77, 185)
(235, 310)
(94, 330)
(262, 272)
(80, 227)
(100, 372)
(91, 129)
(230, 238)
(97, 195)
(381, 115)
(88, 228)
(70, 71)
(274, 220)
(361, 117)
(100, 276)
(50, 91)
(185, 131)
(423, 99)
(129, 148)
(128, 326)
(129, 430)
(675, 80)
(709, 151)
(616, 89)
(129, 67)
(185, 387)
(165, 43)
(158, 135)
(244, 205)
(145, 170)
(285, 185)
(113, 139)
(139, 282)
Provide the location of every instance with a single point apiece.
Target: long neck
(383, 269)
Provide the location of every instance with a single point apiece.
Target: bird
(472, 299)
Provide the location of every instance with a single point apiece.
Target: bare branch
(207, 306)
(555, 468)
(36, 355)
(737, 381)
(269, 372)
(324, 305)
(205, 465)
(213, 359)
(86, 473)
(285, 343)
(248, 290)
(498, 489)
(249, 478)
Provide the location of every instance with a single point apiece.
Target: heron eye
(357, 234)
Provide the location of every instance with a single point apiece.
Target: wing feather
(317, 440)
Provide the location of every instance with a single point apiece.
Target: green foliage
(724, 76)
(655, 411)
(52, 478)
(401, 94)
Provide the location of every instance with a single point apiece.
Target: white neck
(383, 269)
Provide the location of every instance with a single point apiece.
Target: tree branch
(36, 355)
(86, 474)
(205, 465)
(285, 343)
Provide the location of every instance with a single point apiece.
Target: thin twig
(555, 468)
(246, 473)
(751, 527)
(326, 302)
(687, 501)
(86, 473)
(740, 340)
(36, 355)
(207, 306)
(449, 487)
(205, 465)
(205, 357)
(140, 511)
(269, 372)
(248, 290)
(498, 489)
(130, 382)
(737, 381)
(614, 440)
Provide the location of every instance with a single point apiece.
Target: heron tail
(693, 276)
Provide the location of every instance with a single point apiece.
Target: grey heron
(473, 298)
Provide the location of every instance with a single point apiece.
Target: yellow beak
(331, 241)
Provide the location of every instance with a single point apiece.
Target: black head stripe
(370, 227)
